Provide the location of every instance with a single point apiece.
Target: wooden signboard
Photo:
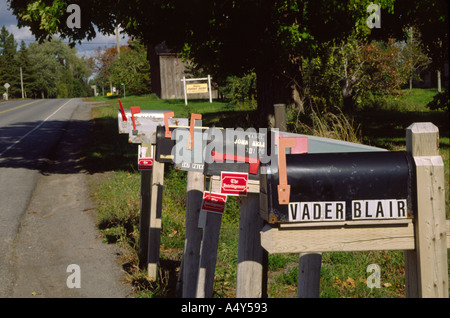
(196, 88)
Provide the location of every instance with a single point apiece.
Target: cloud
(20, 34)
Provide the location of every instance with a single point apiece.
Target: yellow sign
(196, 88)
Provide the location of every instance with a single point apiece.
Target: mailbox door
(365, 185)
(164, 145)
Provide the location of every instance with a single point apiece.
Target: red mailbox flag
(122, 111)
(134, 110)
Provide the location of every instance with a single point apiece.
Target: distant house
(167, 71)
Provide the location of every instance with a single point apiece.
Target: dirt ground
(58, 252)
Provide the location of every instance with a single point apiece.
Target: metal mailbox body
(238, 151)
(190, 159)
(146, 123)
(354, 181)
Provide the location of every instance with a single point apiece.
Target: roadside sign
(7, 85)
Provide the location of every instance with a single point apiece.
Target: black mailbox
(164, 144)
(339, 187)
(237, 151)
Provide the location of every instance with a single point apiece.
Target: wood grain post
(193, 236)
(280, 116)
(144, 217)
(308, 282)
(426, 267)
(208, 255)
(250, 276)
(154, 234)
(309, 264)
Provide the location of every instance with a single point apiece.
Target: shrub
(440, 101)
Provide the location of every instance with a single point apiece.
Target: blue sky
(86, 48)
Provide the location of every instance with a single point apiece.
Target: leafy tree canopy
(234, 37)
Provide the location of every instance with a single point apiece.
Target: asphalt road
(46, 218)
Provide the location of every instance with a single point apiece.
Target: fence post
(193, 236)
(426, 266)
(154, 234)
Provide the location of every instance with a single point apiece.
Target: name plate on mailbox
(340, 187)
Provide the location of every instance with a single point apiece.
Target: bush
(240, 90)
(440, 101)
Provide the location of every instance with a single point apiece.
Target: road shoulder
(58, 243)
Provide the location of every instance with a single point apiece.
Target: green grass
(116, 189)
(414, 100)
(216, 113)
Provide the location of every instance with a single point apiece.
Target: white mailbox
(140, 125)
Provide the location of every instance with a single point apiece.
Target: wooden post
(144, 217)
(209, 88)
(308, 282)
(193, 236)
(250, 276)
(154, 234)
(309, 263)
(426, 266)
(185, 93)
(280, 116)
(208, 255)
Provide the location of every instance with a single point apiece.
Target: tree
(225, 38)
(235, 37)
(132, 69)
(59, 71)
(102, 62)
(429, 18)
(9, 71)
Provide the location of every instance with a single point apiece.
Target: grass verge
(115, 185)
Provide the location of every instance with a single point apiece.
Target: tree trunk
(439, 80)
(347, 96)
(153, 59)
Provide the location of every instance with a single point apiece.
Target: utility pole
(21, 81)
(411, 71)
(117, 40)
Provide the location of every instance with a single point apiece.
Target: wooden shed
(167, 70)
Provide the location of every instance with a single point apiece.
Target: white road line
(35, 128)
